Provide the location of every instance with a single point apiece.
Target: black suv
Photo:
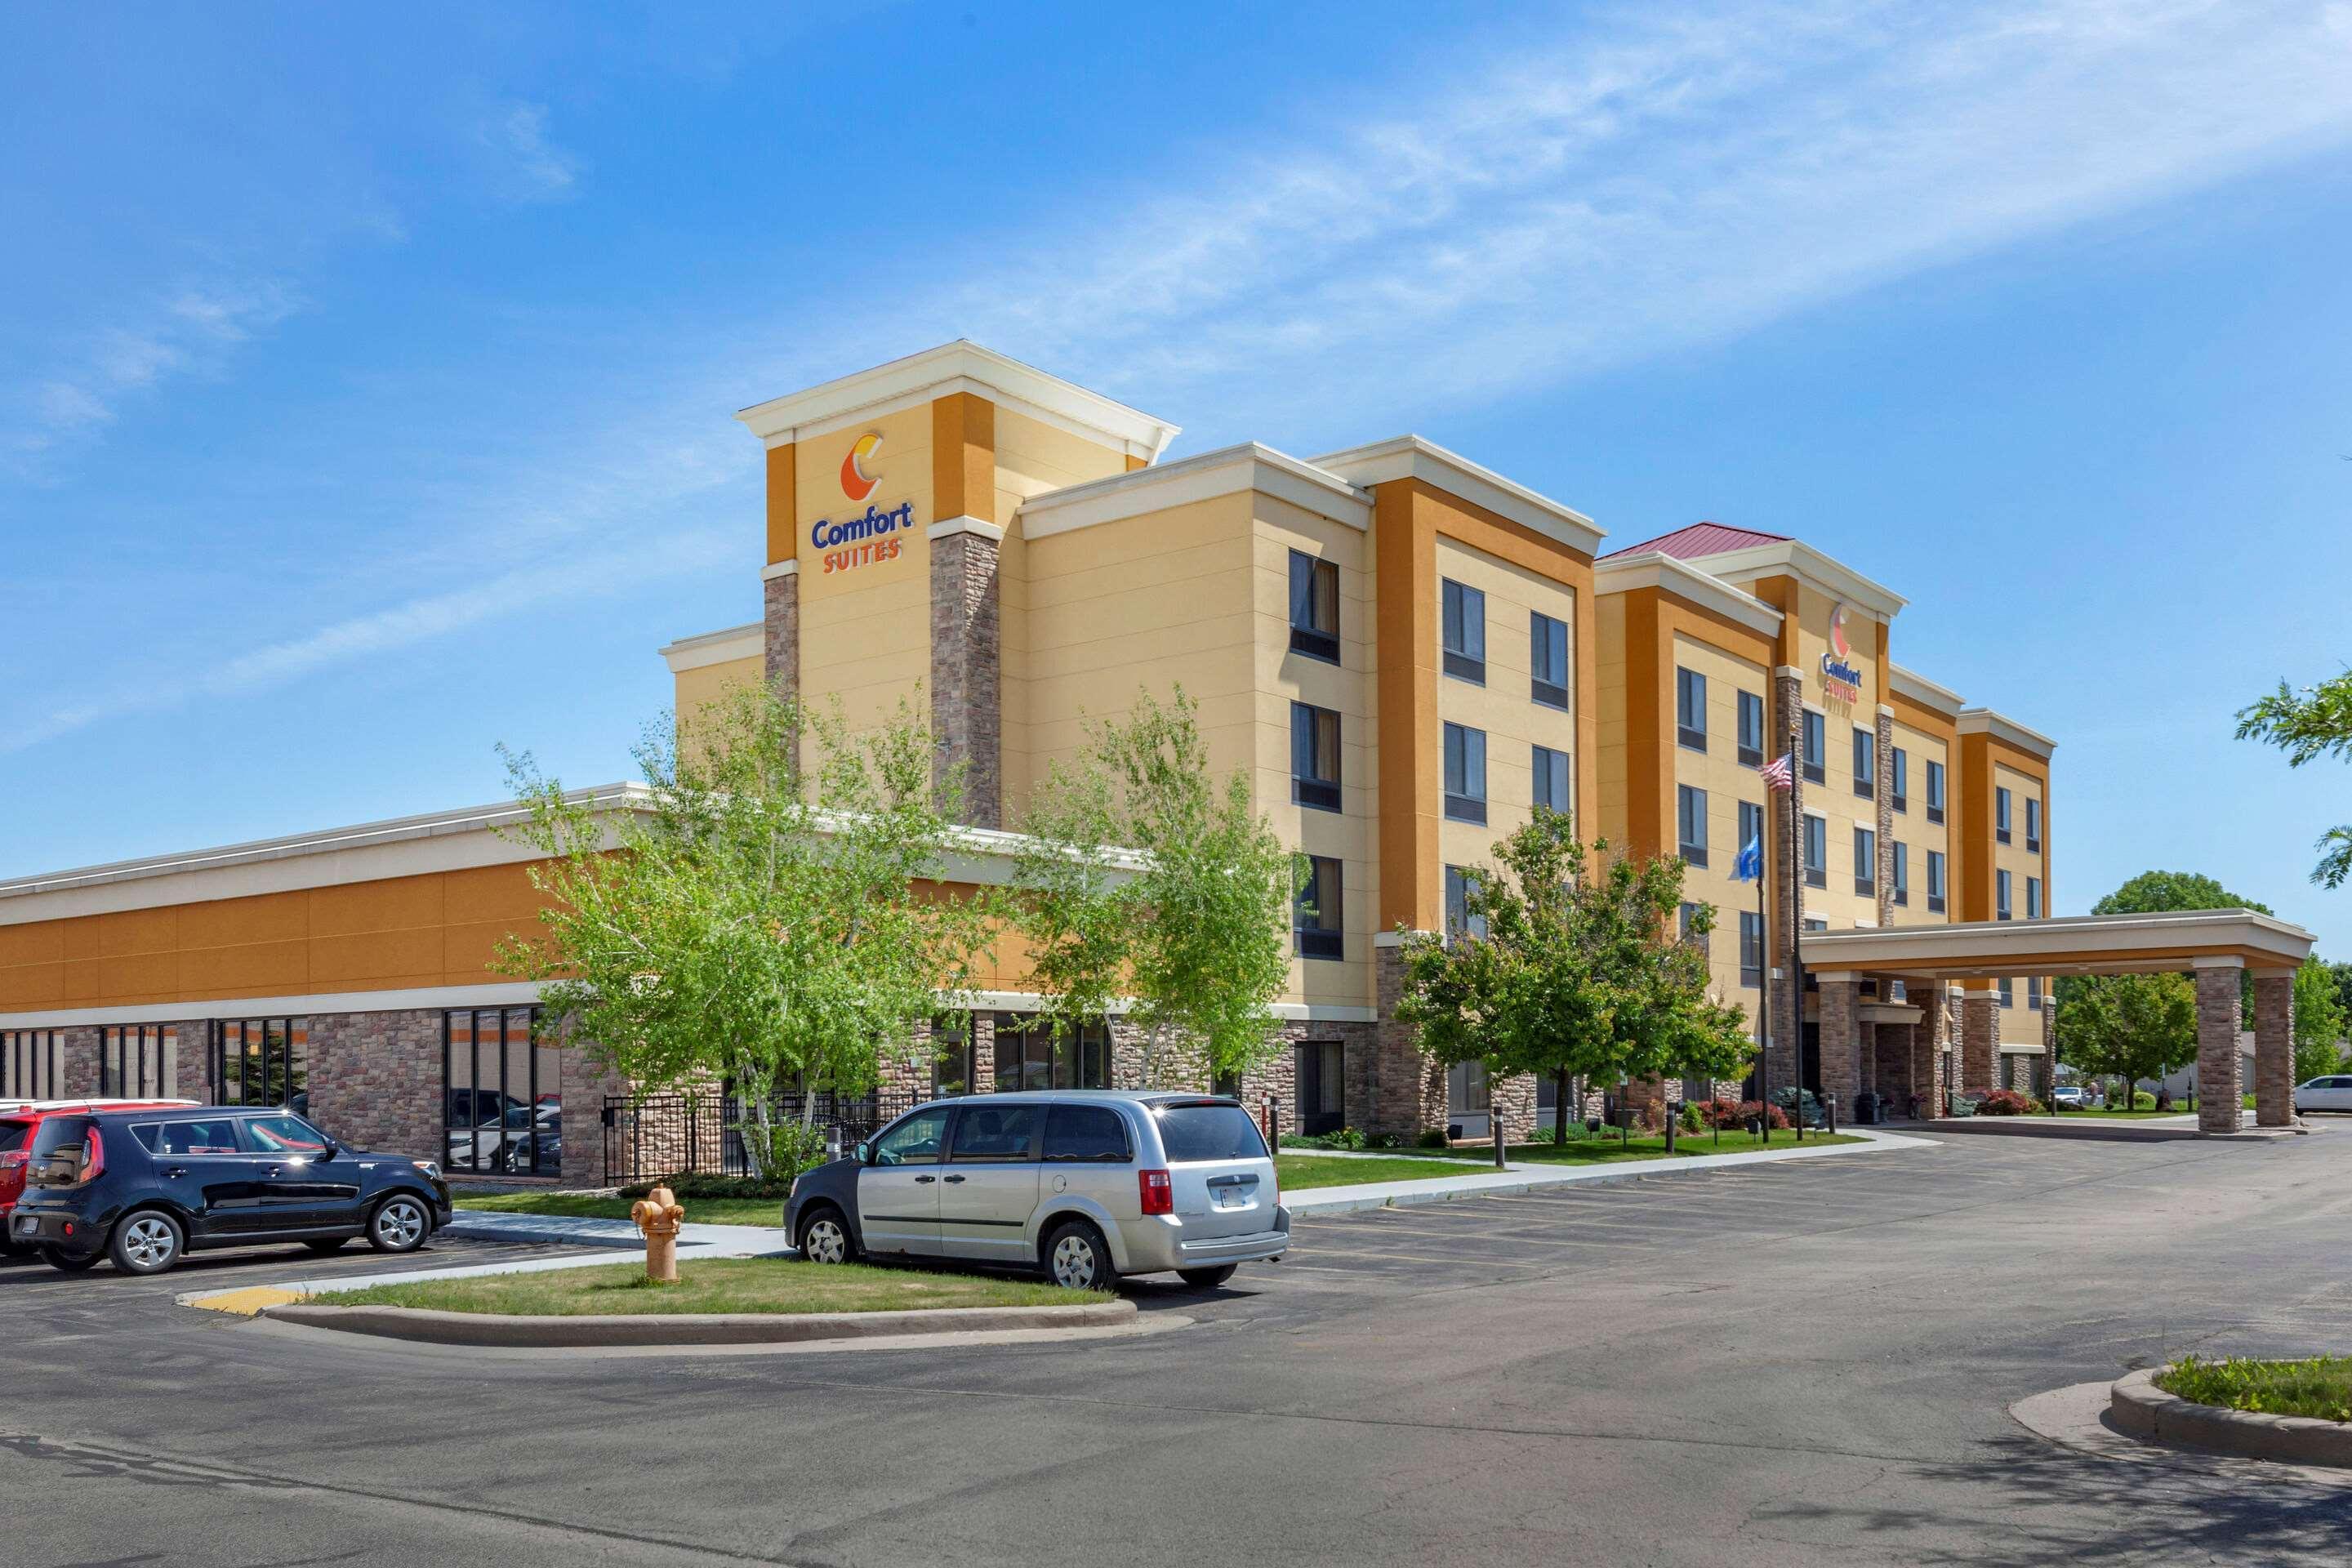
(144, 1187)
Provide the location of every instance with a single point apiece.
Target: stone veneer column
(1865, 1051)
(1841, 999)
(966, 711)
(2217, 1091)
(1930, 1038)
(783, 631)
(1979, 1041)
(375, 1082)
(1895, 1064)
(1407, 1087)
(1787, 877)
(193, 1073)
(79, 1067)
(1884, 832)
(2274, 1050)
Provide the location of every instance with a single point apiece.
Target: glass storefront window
(1028, 1058)
(262, 1061)
(502, 1102)
(139, 1062)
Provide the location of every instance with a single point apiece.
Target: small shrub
(1691, 1120)
(1433, 1138)
(2005, 1102)
(1748, 1111)
(1347, 1138)
(1544, 1132)
(1382, 1141)
(2143, 1100)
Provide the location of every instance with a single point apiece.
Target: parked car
(146, 1187)
(2070, 1096)
(2331, 1092)
(19, 1121)
(1084, 1185)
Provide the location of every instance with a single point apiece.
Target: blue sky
(365, 385)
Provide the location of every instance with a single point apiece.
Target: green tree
(2157, 892)
(1145, 878)
(1578, 972)
(2318, 1021)
(2131, 1027)
(2308, 725)
(766, 917)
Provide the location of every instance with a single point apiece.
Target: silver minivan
(1085, 1184)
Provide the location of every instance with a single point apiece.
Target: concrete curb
(1316, 1202)
(501, 1331)
(2106, 1131)
(2140, 1408)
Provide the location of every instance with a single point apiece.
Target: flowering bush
(2008, 1102)
(1724, 1113)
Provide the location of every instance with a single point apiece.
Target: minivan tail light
(1158, 1191)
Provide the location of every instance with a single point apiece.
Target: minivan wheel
(56, 1258)
(1076, 1259)
(824, 1237)
(148, 1242)
(399, 1225)
(1206, 1278)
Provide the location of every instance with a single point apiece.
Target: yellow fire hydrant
(657, 1215)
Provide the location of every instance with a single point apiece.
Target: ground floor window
(503, 1105)
(139, 1062)
(1469, 1098)
(262, 1061)
(32, 1064)
(1029, 1056)
(954, 1067)
(1322, 1087)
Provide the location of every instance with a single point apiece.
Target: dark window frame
(1465, 659)
(543, 1162)
(2033, 823)
(1898, 778)
(1690, 808)
(1751, 950)
(1866, 862)
(1690, 701)
(2002, 889)
(1086, 1054)
(1937, 874)
(1326, 937)
(2001, 814)
(1935, 790)
(1865, 762)
(1309, 786)
(275, 1055)
(1307, 638)
(1464, 804)
(1817, 872)
(1814, 746)
(1540, 762)
(1900, 855)
(1751, 753)
(1541, 638)
(1459, 920)
(125, 1052)
(32, 1064)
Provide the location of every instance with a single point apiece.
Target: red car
(19, 1121)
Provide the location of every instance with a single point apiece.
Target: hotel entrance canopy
(2212, 945)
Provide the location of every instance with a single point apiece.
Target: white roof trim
(1910, 683)
(717, 648)
(1976, 949)
(960, 366)
(1410, 456)
(421, 999)
(1829, 574)
(1229, 470)
(1656, 569)
(1985, 722)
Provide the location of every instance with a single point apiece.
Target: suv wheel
(824, 1237)
(148, 1242)
(399, 1225)
(1076, 1258)
(56, 1258)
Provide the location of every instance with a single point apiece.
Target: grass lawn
(2320, 1387)
(715, 1284)
(1304, 1169)
(699, 1211)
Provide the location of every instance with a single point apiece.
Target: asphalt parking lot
(1803, 1362)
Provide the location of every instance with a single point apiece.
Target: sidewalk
(1525, 1178)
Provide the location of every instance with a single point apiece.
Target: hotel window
(1028, 1056)
(1817, 852)
(1551, 779)
(1690, 824)
(2007, 996)
(1459, 920)
(1935, 881)
(1751, 827)
(1865, 762)
(1866, 862)
(139, 1062)
(1464, 616)
(1901, 854)
(1465, 773)
(1315, 757)
(1816, 747)
(502, 1100)
(1751, 948)
(1547, 658)
(1314, 607)
(1751, 729)
(953, 1066)
(32, 1064)
(1690, 708)
(2001, 815)
(2001, 895)
(2033, 992)
(1898, 778)
(262, 1061)
(2033, 824)
(1315, 919)
(1684, 919)
(1934, 791)
(2033, 897)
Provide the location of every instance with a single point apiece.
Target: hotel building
(1404, 651)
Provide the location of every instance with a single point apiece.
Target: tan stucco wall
(865, 632)
(1727, 782)
(1913, 830)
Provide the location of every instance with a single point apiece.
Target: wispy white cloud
(527, 166)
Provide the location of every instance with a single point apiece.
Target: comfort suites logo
(873, 535)
(1840, 679)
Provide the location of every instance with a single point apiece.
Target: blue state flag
(1750, 866)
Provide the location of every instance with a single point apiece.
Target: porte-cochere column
(2274, 1050)
(2217, 1091)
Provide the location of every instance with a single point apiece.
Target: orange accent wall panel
(783, 515)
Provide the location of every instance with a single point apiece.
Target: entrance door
(1811, 1042)
(1322, 1087)
(1469, 1099)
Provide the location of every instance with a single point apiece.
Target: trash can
(1865, 1109)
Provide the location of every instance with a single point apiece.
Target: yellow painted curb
(245, 1303)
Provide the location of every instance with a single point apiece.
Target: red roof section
(1701, 539)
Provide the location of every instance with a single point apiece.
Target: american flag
(1776, 774)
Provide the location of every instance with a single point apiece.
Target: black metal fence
(703, 1134)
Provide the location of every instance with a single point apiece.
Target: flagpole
(1764, 981)
(1796, 931)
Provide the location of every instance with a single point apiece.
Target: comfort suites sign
(852, 540)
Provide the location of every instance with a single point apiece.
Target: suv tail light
(1158, 1193)
(93, 1157)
